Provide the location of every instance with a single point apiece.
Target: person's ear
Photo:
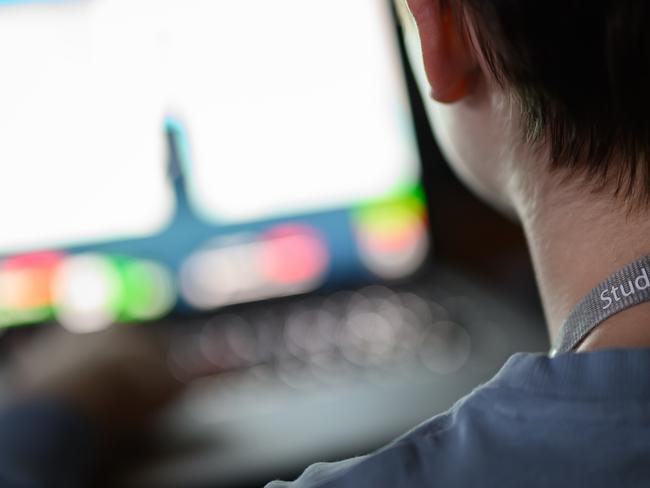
(449, 60)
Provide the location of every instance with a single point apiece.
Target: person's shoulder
(416, 458)
(402, 461)
(503, 428)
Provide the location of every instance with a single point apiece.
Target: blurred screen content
(185, 155)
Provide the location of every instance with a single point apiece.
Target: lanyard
(628, 287)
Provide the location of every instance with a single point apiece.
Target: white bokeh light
(86, 291)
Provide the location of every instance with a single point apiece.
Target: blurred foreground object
(118, 377)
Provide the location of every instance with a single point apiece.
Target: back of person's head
(578, 73)
(581, 73)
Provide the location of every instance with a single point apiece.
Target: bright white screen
(81, 142)
(290, 106)
(298, 106)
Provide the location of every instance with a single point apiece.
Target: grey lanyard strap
(626, 288)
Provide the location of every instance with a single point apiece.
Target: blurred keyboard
(322, 377)
(342, 334)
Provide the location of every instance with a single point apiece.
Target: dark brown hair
(580, 70)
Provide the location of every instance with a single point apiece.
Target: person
(543, 108)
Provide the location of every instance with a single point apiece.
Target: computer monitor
(186, 155)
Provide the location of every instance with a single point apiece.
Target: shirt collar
(601, 374)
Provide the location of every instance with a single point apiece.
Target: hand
(119, 377)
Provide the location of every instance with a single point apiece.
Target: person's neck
(577, 240)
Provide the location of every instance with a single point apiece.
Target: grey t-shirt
(574, 420)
